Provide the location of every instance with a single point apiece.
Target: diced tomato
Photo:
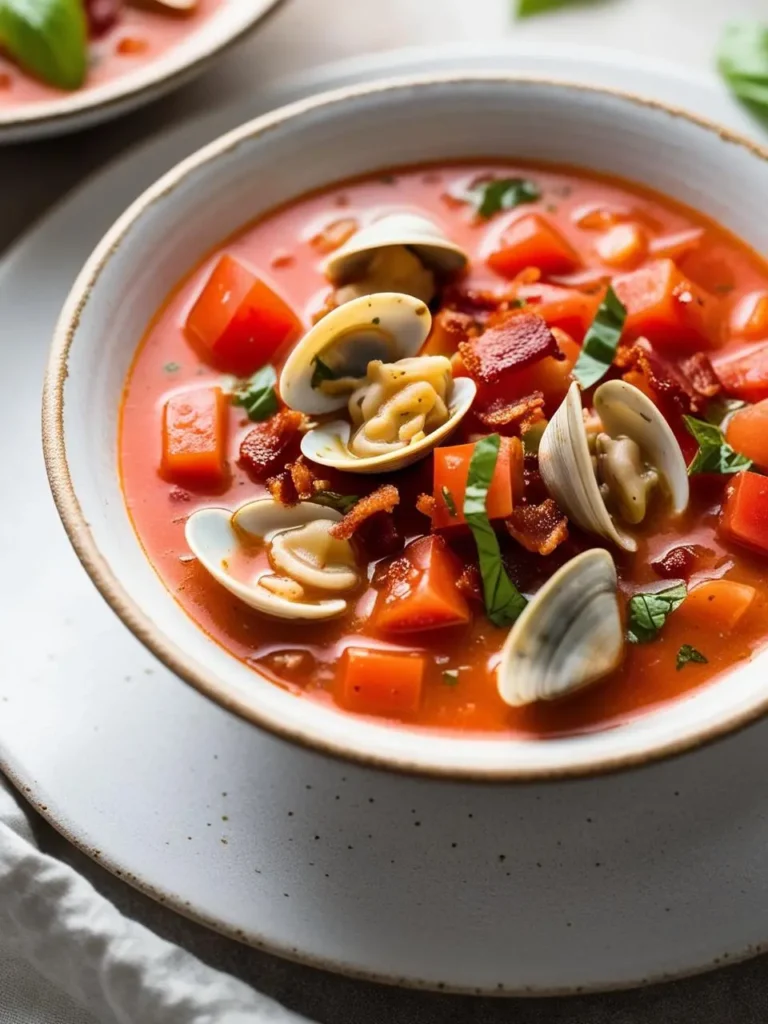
(531, 241)
(195, 437)
(717, 605)
(381, 682)
(745, 513)
(625, 246)
(674, 247)
(750, 318)
(667, 309)
(747, 432)
(571, 310)
(451, 469)
(745, 374)
(239, 320)
(421, 592)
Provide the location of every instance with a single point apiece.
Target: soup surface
(544, 245)
(128, 37)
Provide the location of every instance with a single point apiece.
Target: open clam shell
(570, 635)
(302, 555)
(387, 326)
(417, 233)
(328, 444)
(566, 463)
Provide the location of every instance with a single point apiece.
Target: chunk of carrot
(451, 470)
(381, 682)
(744, 518)
(625, 246)
(239, 320)
(195, 437)
(745, 374)
(531, 241)
(747, 433)
(717, 605)
(421, 591)
(667, 309)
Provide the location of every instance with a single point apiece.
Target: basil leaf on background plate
(742, 59)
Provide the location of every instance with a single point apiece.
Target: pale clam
(310, 569)
(569, 636)
(636, 451)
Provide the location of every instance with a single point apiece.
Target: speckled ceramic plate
(517, 889)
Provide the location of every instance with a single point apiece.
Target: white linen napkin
(67, 956)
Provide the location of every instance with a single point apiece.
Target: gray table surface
(302, 34)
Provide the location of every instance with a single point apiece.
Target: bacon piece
(513, 416)
(539, 528)
(282, 489)
(383, 499)
(687, 384)
(426, 504)
(449, 329)
(303, 478)
(470, 583)
(262, 448)
(379, 536)
(682, 562)
(516, 341)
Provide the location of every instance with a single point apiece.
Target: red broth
(309, 659)
(138, 38)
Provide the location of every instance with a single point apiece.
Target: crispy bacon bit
(383, 499)
(379, 536)
(539, 528)
(516, 341)
(282, 489)
(303, 478)
(687, 384)
(470, 583)
(682, 562)
(514, 415)
(426, 504)
(449, 329)
(262, 448)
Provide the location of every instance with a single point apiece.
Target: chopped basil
(721, 409)
(743, 60)
(528, 8)
(601, 342)
(172, 367)
(332, 499)
(376, 320)
(450, 503)
(451, 676)
(715, 455)
(503, 601)
(649, 612)
(321, 371)
(490, 197)
(47, 38)
(687, 654)
(519, 303)
(257, 395)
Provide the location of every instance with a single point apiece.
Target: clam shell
(433, 248)
(570, 635)
(328, 444)
(387, 326)
(213, 539)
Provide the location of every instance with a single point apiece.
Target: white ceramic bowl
(89, 106)
(250, 170)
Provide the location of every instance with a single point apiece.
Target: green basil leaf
(721, 409)
(687, 654)
(490, 197)
(529, 8)
(715, 455)
(742, 59)
(451, 676)
(503, 601)
(321, 371)
(332, 499)
(172, 367)
(47, 38)
(601, 341)
(450, 503)
(257, 395)
(649, 612)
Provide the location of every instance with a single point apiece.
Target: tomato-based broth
(668, 302)
(121, 38)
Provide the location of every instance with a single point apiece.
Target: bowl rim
(165, 71)
(130, 612)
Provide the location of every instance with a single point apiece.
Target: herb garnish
(743, 60)
(601, 341)
(449, 502)
(528, 8)
(171, 367)
(503, 601)
(321, 371)
(715, 455)
(47, 38)
(451, 676)
(720, 409)
(332, 499)
(687, 655)
(490, 197)
(257, 395)
(649, 612)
